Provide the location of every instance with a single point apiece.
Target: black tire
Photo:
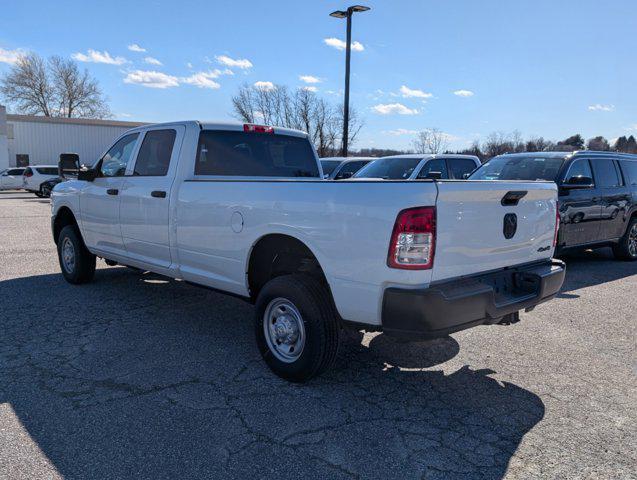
(38, 194)
(82, 269)
(46, 191)
(626, 249)
(313, 300)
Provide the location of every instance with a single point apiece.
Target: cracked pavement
(137, 376)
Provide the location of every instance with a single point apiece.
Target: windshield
(329, 166)
(389, 168)
(519, 167)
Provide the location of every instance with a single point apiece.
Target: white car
(34, 176)
(11, 178)
(420, 166)
(244, 209)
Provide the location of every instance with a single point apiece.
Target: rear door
(145, 196)
(480, 226)
(615, 198)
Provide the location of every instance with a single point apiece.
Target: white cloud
(601, 108)
(393, 108)
(152, 61)
(632, 128)
(409, 92)
(236, 63)
(95, 56)
(400, 131)
(339, 44)
(189, 65)
(151, 79)
(310, 88)
(136, 48)
(261, 85)
(10, 56)
(309, 79)
(463, 93)
(203, 79)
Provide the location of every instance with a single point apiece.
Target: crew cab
(244, 209)
(597, 195)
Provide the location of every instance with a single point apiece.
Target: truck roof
(221, 125)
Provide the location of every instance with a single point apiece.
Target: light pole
(348, 51)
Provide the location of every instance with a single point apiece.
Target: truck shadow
(136, 376)
(592, 267)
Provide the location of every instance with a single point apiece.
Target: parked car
(11, 178)
(597, 194)
(47, 187)
(243, 209)
(419, 166)
(340, 168)
(33, 177)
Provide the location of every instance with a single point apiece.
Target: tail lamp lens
(252, 128)
(413, 239)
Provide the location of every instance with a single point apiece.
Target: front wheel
(297, 327)
(626, 249)
(76, 262)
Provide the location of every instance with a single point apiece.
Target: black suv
(597, 194)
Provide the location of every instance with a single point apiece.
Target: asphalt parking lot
(136, 376)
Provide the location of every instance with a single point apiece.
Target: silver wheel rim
(68, 255)
(284, 330)
(632, 241)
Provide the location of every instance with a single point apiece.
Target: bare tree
(28, 87)
(301, 109)
(78, 94)
(431, 140)
(599, 144)
(53, 88)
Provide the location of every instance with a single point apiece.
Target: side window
(116, 159)
(435, 165)
(349, 169)
(458, 167)
(606, 173)
(154, 155)
(629, 168)
(16, 171)
(579, 169)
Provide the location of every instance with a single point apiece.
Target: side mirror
(69, 163)
(87, 174)
(578, 182)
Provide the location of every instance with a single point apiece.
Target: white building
(34, 140)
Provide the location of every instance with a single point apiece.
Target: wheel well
(275, 255)
(63, 218)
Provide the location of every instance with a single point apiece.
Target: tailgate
(470, 225)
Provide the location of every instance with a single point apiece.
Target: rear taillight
(557, 223)
(28, 174)
(252, 128)
(413, 240)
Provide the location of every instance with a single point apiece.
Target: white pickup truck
(244, 209)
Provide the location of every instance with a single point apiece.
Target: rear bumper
(459, 304)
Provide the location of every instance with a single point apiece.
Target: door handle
(112, 191)
(158, 194)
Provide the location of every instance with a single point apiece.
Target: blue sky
(467, 67)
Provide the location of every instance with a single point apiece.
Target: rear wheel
(76, 262)
(45, 190)
(38, 193)
(296, 326)
(626, 249)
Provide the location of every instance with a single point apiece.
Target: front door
(580, 209)
(99, 201)
(145, 197)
